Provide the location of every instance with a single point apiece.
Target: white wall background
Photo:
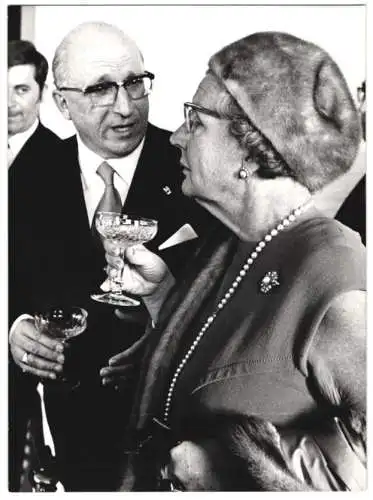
(177, 42)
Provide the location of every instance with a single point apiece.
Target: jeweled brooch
(269, 281)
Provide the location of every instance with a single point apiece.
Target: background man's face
(23, 98)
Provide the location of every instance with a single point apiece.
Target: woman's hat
(296, 96)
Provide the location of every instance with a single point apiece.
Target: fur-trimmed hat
(296, 96)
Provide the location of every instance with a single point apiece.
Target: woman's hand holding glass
(122, 232)
(143, 273)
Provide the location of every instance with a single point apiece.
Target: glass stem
(115, 282)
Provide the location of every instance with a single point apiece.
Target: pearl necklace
(228, 295)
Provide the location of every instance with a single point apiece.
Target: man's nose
(123, 103)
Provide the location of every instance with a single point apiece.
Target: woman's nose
(179, 137)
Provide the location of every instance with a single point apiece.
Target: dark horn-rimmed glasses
(105, 93)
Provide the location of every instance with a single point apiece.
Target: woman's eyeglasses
(190, 110)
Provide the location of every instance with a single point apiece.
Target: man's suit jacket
(87, 423)
(36, 161)
(25, 178)
(353, 211)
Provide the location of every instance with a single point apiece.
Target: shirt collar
(17, 141)
(89, 161)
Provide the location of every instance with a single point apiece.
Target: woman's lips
(183, 166)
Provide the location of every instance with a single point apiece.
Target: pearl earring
(243, 173)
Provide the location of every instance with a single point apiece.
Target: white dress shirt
(17, 141)
(94, 186)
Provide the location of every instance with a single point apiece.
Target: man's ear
(61, 104)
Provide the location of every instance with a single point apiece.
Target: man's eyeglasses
(190, 116)
(105, 93)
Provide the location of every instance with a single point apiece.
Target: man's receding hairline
(67, 43)
(76, 33)
(97, 27)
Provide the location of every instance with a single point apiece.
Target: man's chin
(119, 149)
(14, 130)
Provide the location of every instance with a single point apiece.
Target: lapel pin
(269, 281)
(167, 190)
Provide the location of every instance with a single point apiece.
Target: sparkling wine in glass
(123, 231)
(64, 323)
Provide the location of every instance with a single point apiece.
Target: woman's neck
(262, 204)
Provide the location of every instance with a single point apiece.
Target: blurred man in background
(32, 148)
(27, 137)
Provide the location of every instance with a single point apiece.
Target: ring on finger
(25, 358)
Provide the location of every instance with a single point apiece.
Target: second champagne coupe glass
(64, 323)
(123, 231)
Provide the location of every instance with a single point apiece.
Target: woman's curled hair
(258, 147)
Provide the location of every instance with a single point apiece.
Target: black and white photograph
(185, 264)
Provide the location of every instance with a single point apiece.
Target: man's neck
(17, 141)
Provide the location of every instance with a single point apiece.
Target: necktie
(110, 201)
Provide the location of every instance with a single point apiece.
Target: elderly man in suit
(31, 149)
(102, 86)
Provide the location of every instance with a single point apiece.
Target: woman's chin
(187, 187)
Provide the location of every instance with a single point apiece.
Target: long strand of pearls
(227, 296)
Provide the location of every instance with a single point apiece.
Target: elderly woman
(268, 322)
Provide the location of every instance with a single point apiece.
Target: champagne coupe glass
(63, 323)
(123, 231)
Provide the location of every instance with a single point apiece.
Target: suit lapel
(71, 180)
(30, 149)
(80, 252)
(144, 191)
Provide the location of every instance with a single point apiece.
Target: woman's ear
(61, 104)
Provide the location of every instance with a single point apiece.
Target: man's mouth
(123, 128)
